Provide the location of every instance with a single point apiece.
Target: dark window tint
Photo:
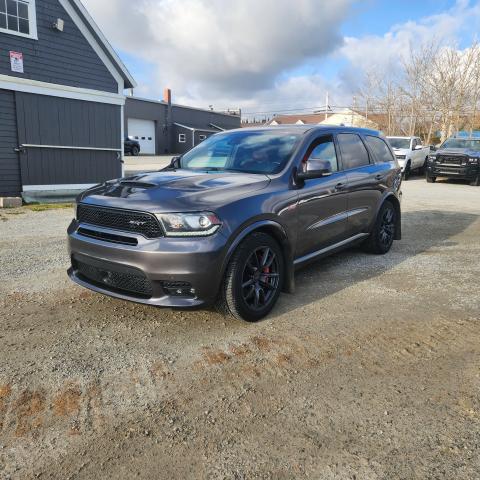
(23, 26)
(379, 149)
(325, 150)
(354, 153)
(3, 20)
(12, 7)
(3, 7)
(22, 10)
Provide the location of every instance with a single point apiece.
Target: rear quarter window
(380, 151)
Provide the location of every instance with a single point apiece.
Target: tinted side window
(325, 150)
(354, 153)
(379, 149)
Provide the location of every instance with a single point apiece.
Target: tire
(408, 171)
(430, 179)
(475, 182)
(381, 239)
(243, 293)
(135, 151)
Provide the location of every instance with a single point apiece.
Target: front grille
(107, 237)
(132, 283)
(126, 220)
(452, 160)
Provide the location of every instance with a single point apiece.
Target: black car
(131, 146)
(455, 158)
(231, 220)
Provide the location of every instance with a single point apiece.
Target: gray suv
(231, 220)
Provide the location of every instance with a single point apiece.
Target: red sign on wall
(16, 62)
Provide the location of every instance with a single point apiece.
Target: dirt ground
(370, 371)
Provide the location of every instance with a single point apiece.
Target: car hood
(457, 151)
(401, 151)
(174, 190)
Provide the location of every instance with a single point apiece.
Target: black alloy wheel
(381, 239)
(253, 279)
(260, 278)
(387, 228)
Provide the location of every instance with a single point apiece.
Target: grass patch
(42, 207)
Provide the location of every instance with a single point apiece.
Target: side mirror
(433, 148)
(175, 162)
(173, 165)
(315, 168)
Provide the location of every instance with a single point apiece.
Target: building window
(202, 137)
(182, 138)
(18, 17)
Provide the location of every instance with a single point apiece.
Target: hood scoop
(137, 184)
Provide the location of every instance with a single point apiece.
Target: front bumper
(464, 172)
(402, 162)
(155, 263)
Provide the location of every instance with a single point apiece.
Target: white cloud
(386, 52)
(248, 53)
(233, 48)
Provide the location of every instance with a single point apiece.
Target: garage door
(144, 132)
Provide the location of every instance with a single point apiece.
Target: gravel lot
(370, 371)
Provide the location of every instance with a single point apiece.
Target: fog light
(178, 289)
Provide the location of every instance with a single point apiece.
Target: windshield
(250, 152)
(399, 142)
(461, 143)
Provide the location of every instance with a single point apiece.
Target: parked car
(410, 153)
(231, 220)
(455, 158)
(131, 146)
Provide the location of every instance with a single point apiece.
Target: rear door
(322, 204)
(366, 181)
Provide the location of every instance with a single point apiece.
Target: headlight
(401, 157)
(189, 224)
(473, 160)
(432, 158)
(75, 209)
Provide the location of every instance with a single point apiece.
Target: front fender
(279, 233)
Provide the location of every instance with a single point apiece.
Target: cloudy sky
(268, 56)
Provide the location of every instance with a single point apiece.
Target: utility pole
(326, 107)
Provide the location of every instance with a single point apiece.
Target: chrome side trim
(338, 217)
(329, 248)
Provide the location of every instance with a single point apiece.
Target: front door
(322, 203)
(10, 181)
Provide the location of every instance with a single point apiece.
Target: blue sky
(266, 54)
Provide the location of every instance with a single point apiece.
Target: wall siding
(10, 184)
(203, 118)
(44, 120)
(64, 58)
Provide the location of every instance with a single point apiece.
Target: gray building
(162, 127)
(61, 99)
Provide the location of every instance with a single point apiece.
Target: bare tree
(437, 88)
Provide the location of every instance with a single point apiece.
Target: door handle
(339, 186)
(378, 177)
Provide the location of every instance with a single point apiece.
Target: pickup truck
(410, 153)
(455, 158)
